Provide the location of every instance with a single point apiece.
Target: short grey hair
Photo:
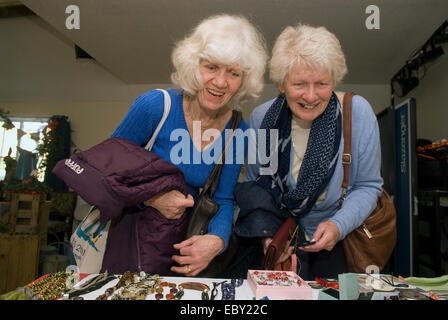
(304, 45)
(226, 39)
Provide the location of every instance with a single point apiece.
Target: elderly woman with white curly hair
(306, 65)
(219, 65)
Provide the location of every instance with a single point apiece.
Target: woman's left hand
(196, 253)
(326, 236)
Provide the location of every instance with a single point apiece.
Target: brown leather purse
(278, 245)
(372, 243)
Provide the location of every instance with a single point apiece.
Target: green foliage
(63, 202)
(52, 147)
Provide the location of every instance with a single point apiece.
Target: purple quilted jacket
(116, 176)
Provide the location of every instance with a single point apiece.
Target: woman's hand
(171, 204)
(196, 253)
(326, 236)
(284, 255)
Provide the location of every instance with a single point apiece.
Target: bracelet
(169, 296)
(228, 289)
(195, 286)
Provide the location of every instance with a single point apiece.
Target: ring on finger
(188, 268)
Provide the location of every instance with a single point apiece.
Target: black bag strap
(212, 181)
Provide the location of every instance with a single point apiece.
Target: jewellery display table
(243, 292)
(142, 286)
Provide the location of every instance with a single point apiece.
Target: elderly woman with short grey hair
(307, 64)
(217, 66)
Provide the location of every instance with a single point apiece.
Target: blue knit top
(174, 144)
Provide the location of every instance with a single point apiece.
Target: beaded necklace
(228, 289)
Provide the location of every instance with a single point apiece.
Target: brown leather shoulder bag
(372, 243)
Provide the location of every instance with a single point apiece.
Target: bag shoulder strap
(166, 111)
(212, 181)
(347, 134)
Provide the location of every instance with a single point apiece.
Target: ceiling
(133, 39)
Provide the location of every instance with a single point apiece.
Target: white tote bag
(89, 242)
(90, 237)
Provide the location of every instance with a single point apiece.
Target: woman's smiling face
(308, 91)
(220, 83)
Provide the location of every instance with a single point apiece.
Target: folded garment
(429, 284)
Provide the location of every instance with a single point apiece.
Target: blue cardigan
(174, 144)
(365, 178)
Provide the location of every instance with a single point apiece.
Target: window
(26, 134)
